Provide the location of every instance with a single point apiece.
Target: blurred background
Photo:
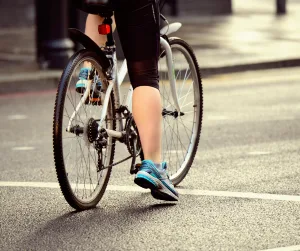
(242, 192)
(34, 34)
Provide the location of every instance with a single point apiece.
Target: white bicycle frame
(116, 83)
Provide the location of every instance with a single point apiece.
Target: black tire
(182, 166)
(61, 159)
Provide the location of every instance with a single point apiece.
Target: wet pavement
(254, 34)
(242, 192)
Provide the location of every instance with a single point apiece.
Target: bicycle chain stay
(117, 163)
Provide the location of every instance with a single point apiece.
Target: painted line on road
(239, 119)
(23, 148)
(290, 248)
(17, 117)
(282, 118)
(258, 153)
(217, 117)
(194, 192)
(251, 78)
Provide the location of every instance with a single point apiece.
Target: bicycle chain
(129, 123)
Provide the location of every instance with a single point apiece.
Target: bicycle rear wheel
(181, 132)
(78, 161)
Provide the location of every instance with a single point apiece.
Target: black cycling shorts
(137, 23)
(138, 27)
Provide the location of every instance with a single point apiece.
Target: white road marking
(258, 153)
(290, 248)
(17, 117)
(247, 119)
(278, 118)
(23, 148)
(194, 192)
(216, 117)
(251, 78)
(175, 151)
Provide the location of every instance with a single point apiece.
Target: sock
(158, 165)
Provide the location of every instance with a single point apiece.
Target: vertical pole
(230, 7)
(281, 7)
(174, 8)
(53, 45)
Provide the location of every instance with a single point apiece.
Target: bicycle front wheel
(181, 131)
(78, 160)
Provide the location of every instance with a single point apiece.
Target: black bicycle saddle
(94, 6)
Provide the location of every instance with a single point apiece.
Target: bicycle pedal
(137, 167)
(134, 169)
(95, 99)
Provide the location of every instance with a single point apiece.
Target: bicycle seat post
(108, 21)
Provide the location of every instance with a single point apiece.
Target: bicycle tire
(63, 175)
(185, 164)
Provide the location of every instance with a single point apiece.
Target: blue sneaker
(83, 80)
(157, 180)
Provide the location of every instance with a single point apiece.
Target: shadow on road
(102, 223)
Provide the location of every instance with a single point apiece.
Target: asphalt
(249, 144)
(252, 38)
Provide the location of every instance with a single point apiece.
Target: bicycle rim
(77, 161)
(181, 132)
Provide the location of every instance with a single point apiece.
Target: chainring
(92, 130)
(131, 128)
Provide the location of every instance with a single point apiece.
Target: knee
(143, 73)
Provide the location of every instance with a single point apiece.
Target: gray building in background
(17, 13)
(196, 7)
(51, 18)
(204, 7)
(20, 13)
(47, 26)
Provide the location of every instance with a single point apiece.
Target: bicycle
(91, 127)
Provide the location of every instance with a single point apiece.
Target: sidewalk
(252, 38)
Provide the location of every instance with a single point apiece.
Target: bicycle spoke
(187, 104)
(74, 109)
(185, 127)
(179, 132)
(188, 92)
(90, 155)
(184, 80)
(69, 117)
(177, 136)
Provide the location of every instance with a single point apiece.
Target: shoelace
(84, 73)
(148, 167)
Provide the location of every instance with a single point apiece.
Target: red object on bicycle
(104, 29)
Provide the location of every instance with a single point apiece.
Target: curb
(31, 81)
(48, 79)
(250, 67)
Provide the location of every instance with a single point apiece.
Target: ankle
(158, 165)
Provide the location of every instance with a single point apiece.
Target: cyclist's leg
(138, 29)
(91, 30)
(148, 120)
(148, 115)
(139, 35)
